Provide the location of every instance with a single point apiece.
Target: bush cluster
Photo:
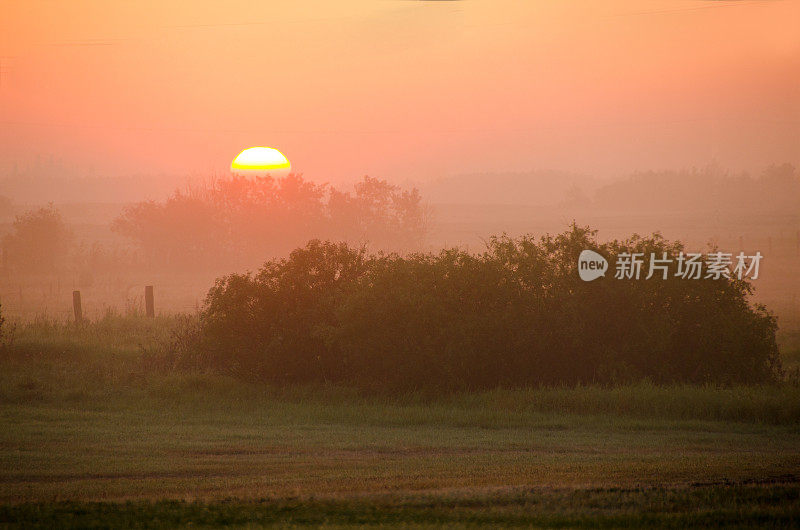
(515, 315)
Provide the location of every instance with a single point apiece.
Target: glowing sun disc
(260, 159)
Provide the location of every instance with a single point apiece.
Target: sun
(260, 160)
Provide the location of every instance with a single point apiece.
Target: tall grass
(111, 333)
(109, 361)
(50, 359)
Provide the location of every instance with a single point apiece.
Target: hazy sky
(401, 88)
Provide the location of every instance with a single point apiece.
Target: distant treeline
(226, 224)
(712, 188)
(514, 315)
(776, 189)
(235, 223)
(239, 221)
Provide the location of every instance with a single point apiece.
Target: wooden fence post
(76, 306)
(149, 303)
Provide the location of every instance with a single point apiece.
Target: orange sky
(399, 88)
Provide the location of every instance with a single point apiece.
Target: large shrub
(278, 324)
(514, 315)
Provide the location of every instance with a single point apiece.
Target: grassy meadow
(96, 431)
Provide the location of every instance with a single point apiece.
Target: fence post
(149, 304)
(76, 306)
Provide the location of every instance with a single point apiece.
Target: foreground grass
(93, 435)
(115, 360)
(222, 445)
(699, 506)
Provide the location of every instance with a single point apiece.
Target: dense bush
(515, 315)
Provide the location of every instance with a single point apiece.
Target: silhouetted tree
(39, 242)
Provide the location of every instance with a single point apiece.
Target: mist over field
(194, 229)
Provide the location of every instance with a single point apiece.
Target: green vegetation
(126, 358)
(789, 341)
(515, 315)
(101, 430)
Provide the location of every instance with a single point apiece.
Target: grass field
(95, 436)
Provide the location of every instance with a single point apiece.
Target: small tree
(40, 240)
